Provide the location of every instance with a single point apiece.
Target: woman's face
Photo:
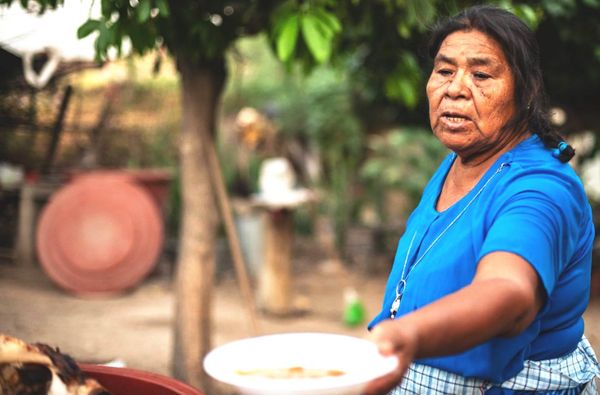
(470, 92)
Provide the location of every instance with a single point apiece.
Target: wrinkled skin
(470, 92)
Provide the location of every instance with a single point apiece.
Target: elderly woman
(492, 274)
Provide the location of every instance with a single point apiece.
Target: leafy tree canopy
(381, 41)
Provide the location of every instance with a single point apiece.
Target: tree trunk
(201, 87)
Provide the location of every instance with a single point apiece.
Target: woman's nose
(457, 87)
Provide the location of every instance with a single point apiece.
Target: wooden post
(275, 281)
(24, 248)
(33, 193)
(224, 205)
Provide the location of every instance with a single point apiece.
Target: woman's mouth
(454, 120)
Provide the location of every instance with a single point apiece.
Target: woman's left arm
(502, 300)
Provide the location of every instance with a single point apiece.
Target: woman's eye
(481, 76)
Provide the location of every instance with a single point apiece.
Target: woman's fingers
(385, 347)
(384, 384)
(392, 339)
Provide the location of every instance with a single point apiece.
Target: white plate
(357, 358)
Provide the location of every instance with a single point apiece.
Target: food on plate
(294, 372)
(38, 369)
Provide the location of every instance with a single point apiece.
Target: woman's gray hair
(522, 53)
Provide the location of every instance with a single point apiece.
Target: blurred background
(117, 229)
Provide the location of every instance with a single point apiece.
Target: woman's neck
(461, 178)
(475, 168)
(464, 175)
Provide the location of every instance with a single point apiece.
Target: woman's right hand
(393, 338)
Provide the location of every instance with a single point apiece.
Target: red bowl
(126, 381)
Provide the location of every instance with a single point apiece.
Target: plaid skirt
(569, 375)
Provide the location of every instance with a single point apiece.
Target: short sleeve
(537, 218)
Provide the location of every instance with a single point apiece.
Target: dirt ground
(136, 327)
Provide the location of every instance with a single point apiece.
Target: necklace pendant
(395, 307)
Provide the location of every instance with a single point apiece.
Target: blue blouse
(528, 203)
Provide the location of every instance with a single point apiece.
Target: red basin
(126, 381)
(100, 234)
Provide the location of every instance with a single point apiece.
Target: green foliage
(419, 14)
(319, 107)
(255, 75)
(88, 28)
(135, 20)
(288, 35)
(317, 38)
(569, 37)
(405, 81)
(401, 160)
(557, 8)
(310, 21)
(316, 109)
(375, 49)
(382, 37)
(528, 15)
(336, 132)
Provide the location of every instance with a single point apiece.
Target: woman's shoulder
(531, 164)
(535, 175)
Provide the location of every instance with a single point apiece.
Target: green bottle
(354, 310)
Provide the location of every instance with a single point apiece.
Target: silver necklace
(402, 283)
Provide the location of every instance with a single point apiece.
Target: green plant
(332, 126)
(400, 160)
